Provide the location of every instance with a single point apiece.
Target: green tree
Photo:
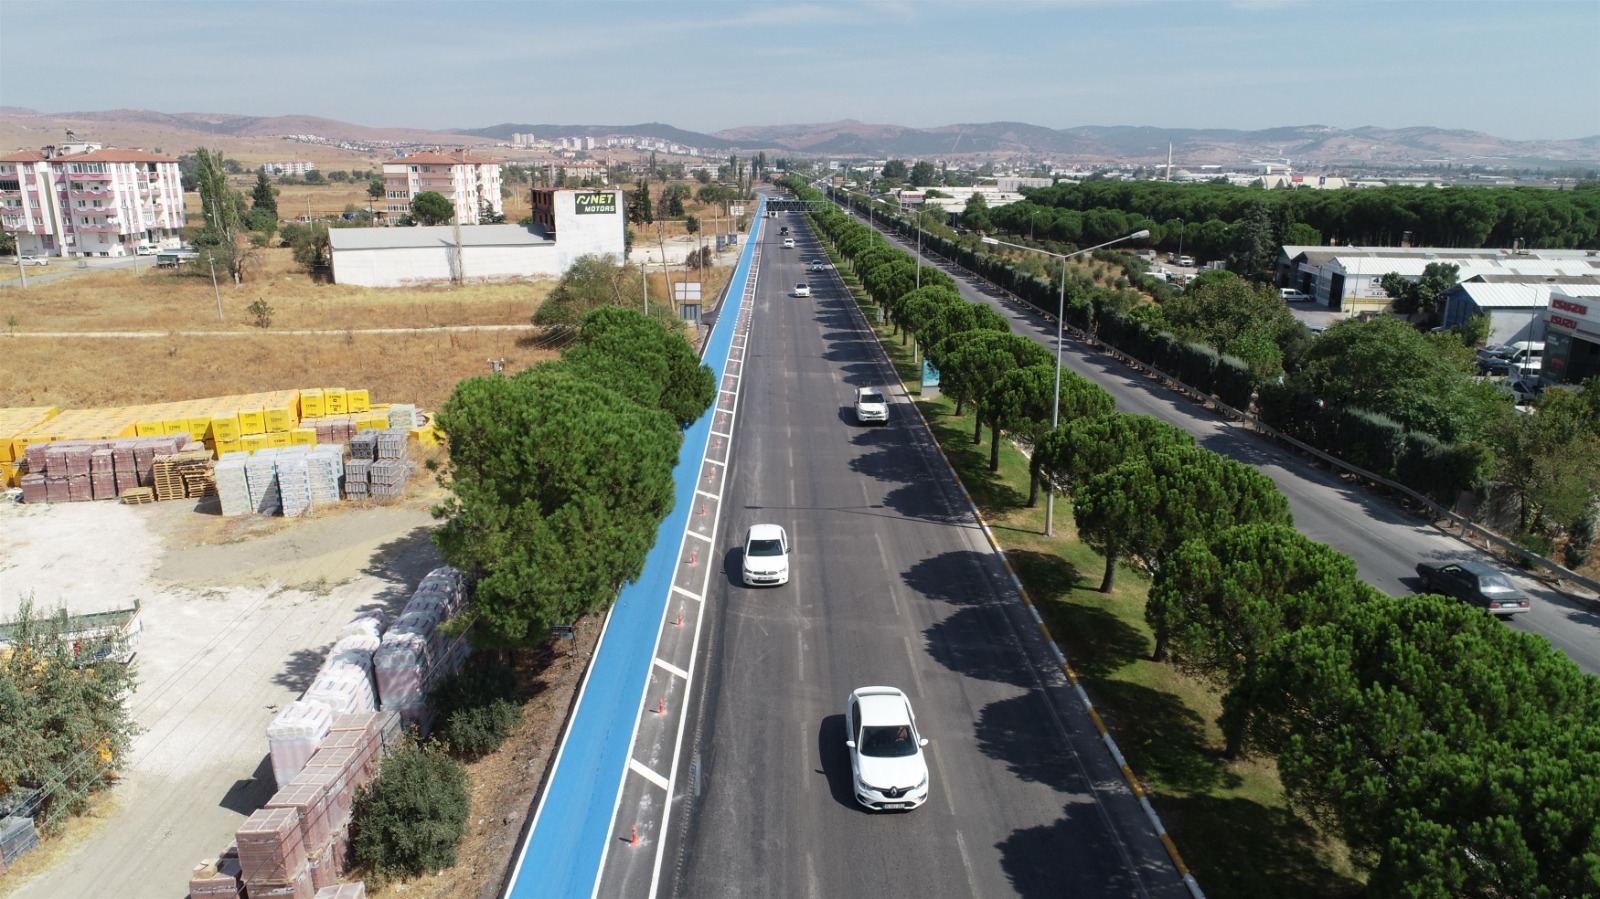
(589, 283)
(975, 216)
(1237, 317)
(1223, 599)
(895, 169)
(1020, 403)
(1427, 294)
(643, 359)
(432, 208)
(411, 819)
(264, 196)
(923, 174)
(223, 208)
(1254, 250)
(977, 363)
(477, 707)
(638, 206)
(315, 177)
(1457, 757)
(376, 190)
(557, 485)
(952, 316)
(1084, 445)
(309, 244)
(1145, 508)
(64, 719)
(1549, 462)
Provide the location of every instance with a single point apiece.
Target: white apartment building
(470, 183)
(84, 200)
(289, 168)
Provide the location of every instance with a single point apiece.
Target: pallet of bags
(294, 482)
(344, 685)
(293, 737)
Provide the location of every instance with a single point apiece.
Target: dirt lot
(237, 615)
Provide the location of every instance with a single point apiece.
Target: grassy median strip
(1229, 819)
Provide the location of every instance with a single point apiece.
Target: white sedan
(802, 289)
(887, 767)
(766, 556)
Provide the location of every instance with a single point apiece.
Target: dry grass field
(236, 356)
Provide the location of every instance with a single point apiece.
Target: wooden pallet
(138, 496)
(173, 473)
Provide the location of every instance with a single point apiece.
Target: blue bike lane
(575, 821)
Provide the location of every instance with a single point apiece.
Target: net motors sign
(595, 202)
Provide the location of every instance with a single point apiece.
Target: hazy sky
(1517, 70)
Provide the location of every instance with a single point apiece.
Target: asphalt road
(892, 583)
(1385, 540)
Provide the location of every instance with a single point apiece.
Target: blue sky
(1519, 70)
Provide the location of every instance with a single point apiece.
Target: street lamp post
(1061, 311)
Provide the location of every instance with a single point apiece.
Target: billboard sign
(595, 202)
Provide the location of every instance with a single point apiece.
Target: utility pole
(213, 260)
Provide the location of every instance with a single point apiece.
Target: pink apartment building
(83, 200)
(470, 183)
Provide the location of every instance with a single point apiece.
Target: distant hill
(1304, 146)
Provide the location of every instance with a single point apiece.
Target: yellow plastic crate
(200, 426)
(357, 401)
(175, 426)
(150, 428)
(312, 403)
(278, 419)
(427, 435)
(303, 437)
(371, 423)
(334, 404)
(253, 442)
(279, 439)
(252, 421)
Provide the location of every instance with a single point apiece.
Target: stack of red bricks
(313, 809)
(331, 428)
(81, 470)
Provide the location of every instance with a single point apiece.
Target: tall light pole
(1061, 311)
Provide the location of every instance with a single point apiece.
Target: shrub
(477, 707)
(1234, 382)
(1369, 440)
(413, 816)
(1580, 537)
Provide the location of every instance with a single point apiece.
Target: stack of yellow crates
(12, 423)
(224, 424)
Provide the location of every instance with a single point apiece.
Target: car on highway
(31, 260)
(871, 406)
(817, 265)
(766, 556)
(1475, 584)
(783, 230)
(788, 243)
(887, 768)
(802, 289)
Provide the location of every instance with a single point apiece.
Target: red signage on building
(1564, 322)
(1568, 306)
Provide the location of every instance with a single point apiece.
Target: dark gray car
(1473, 583)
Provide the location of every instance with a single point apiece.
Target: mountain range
(1304, 145)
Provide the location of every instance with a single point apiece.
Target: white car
(766, 556)
(802, 289)
(788, 243)
(887, 768)
(817, 265)
(32, 260)
(871, 406)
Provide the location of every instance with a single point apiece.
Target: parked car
(1475, 584)
(802, 289)
(887, 768)
(871, 406)
(1290, 295)
(766, 556)
(1523, 357)
(32, 260)
(1523, 390)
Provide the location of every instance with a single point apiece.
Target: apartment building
(470, 183)
(81, 199)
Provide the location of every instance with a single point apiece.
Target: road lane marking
(672, 669)
(647, 774)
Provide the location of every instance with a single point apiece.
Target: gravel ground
(237, 615)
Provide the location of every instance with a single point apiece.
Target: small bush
(1579, 538)
(262, 310)
(414, 815)
(477, 708)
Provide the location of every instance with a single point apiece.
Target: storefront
(1572, 339)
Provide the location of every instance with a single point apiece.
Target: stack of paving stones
(261, 475)
(233, 490)
(364, 445)
(84, 470)
(387, 478)
(416, 655)
(392, 443)
(324, 473)
(294, 484)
